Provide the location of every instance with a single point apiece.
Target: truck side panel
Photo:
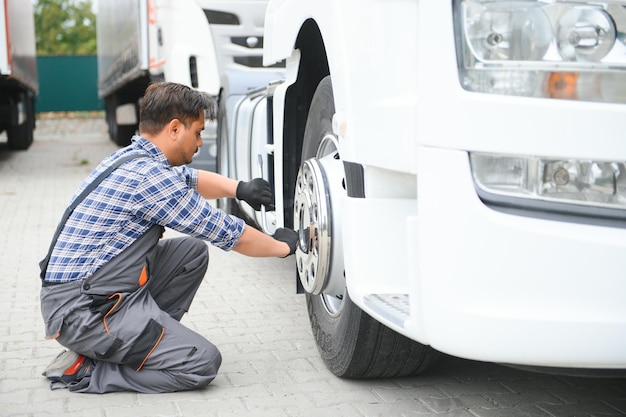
(18, 57)
(121, 37)
(18, 73)
(4, 42)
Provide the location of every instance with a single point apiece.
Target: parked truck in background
(142, 41)
(199, 43)
(18, 73)
(456, 171)
(237, 32)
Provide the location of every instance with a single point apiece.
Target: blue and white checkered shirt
(135, 196)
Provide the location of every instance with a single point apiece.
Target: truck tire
(120, 134)
(354, 345)
(351, 343)
(20, 137)
(124, 134)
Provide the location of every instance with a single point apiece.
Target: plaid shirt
(135, 196)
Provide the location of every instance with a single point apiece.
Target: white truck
(192, 42)
(141, 41)
(456, 171)
(237, 31)
(18, 73)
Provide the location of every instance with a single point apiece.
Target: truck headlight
(499, 32)
(543, 48)
(581, 182)
(585, 34)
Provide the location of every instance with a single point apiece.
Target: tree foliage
(65, 27)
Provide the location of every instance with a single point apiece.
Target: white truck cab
(457, 174)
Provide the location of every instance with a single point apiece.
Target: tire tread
(393, 355)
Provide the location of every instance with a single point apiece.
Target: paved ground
(249, 309)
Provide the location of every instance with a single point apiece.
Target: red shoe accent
(72, 370)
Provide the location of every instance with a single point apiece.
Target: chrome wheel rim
(318, 257)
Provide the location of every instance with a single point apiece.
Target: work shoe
(68, 367)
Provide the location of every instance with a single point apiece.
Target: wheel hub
(318, 257)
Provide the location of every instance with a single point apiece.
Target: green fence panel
(68, 83)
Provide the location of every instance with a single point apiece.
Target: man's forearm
(212, 185)
(255, 243)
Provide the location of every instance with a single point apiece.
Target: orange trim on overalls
(104, 320)
(55, 336)
(143, 277)
(152, 350)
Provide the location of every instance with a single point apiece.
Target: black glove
(290, 237)
(255, 192)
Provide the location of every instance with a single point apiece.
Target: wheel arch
(313, 67)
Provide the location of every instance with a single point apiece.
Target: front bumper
(486, 285)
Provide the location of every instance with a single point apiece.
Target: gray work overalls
(126, 316)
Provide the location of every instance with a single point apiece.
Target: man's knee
(210, 362)
(206, 364)
(197, 254)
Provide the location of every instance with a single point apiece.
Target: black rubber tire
(124, 134)
(120, 134)
(351, 343)
(354, 345)
(20, 137)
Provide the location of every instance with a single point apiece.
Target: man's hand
(288, 236)
(255, 192)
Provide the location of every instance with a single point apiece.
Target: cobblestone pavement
(246, 306)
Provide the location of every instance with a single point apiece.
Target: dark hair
(163, 102)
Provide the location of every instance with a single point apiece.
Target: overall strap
(43, 265)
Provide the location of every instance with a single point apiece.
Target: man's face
(189, 141)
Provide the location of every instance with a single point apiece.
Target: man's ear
(174, 128)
